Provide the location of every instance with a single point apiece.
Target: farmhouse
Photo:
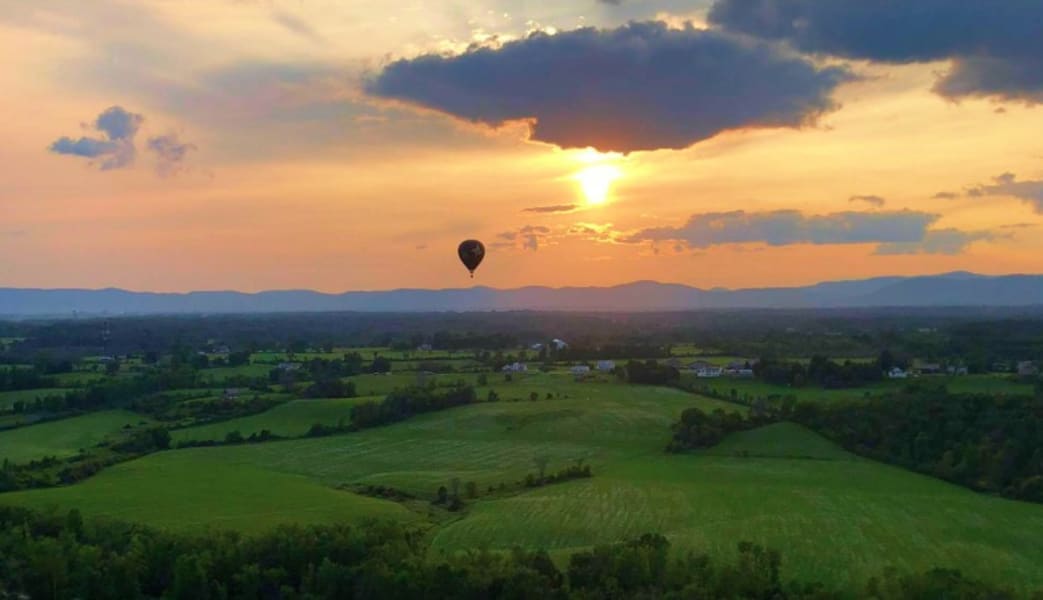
(559, 344)
(1027, 368)
(517, 367)
(698, 365)
(606, 366)
(897, 373)
(928, 368)
(580, 370)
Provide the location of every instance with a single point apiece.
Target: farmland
(781, 485)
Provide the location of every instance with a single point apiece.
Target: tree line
(48, 556)
(988, 443)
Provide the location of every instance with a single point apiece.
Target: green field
(65, 437)
(8, 399)
(185, 490)
(292, 419)
(834, 516)
(219, 375)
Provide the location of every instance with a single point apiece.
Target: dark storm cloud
(876, 201)
(113, 148)
(995, 45)
(170, 153)
(555, 208)
(788, 227)
(643, 86)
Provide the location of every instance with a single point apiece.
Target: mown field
(65, 437)
(835, 516)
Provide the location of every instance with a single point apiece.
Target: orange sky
(298, 179)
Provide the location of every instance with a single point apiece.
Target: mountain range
(959, 289)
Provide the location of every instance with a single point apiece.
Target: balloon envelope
(471, 253)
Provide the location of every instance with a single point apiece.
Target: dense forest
(53, 556)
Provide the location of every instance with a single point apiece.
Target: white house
(559, 344)
(897, 373)
(580, 370)
(517, 367)
(606, 366)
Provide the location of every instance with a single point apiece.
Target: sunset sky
(176, 145)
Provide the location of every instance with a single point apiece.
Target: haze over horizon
(337, 146)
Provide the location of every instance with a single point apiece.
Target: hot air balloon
(471, 254)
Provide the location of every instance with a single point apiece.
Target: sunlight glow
(596, 182)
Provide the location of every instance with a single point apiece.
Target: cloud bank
(895, 232)
(995, 46)
(643, 86)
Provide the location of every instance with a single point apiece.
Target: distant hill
(952, 289)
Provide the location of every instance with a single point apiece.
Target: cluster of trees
(699, 429)
(989, 443)
(23, 378)
(541, 478)
(52, 556)
(651, 372)
(403, 404)
(824, 372)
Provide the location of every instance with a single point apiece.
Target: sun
(596, 182)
